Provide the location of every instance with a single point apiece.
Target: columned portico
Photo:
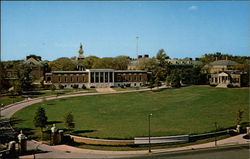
(101, 78)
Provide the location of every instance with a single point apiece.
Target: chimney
(139, 56)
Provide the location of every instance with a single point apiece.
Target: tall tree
(40, 119)
(69, 120)
(24, 78)
(62, 64)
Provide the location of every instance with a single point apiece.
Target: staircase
(222, 85)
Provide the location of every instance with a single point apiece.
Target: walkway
(65, 151)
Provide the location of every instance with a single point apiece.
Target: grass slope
(188, 110)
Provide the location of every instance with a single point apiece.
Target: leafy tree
(69, 120)
(4, 84)
(239, 116)
(162, 56)
(40, 119)
(174, 79)
(89, 61)
(62, 64)
(24, 78)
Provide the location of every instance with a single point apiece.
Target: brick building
(98, 78)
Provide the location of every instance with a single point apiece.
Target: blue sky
(109, 28)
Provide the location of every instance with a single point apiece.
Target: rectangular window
(76, 79)
(71, 79)
(59, 79)
(96, 77)
(92, 77)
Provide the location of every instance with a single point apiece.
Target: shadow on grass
(53, 122)
(83, 131)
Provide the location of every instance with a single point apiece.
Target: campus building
(97, 78)
(223, 73)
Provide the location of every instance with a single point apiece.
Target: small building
(224, 73)
(97, 78)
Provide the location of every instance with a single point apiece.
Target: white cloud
(193, 8)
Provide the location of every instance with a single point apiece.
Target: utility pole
(137, 39)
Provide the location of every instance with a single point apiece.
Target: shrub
(52, 87)
(83, 86)
(75, 86)
(92, 86)
(61, 86)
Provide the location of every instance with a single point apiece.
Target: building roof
(224, 62)
(131, 71)
(68, 72)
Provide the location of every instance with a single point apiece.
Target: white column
(103, 77)
(108, 78)
(113, 77)
(99, 77)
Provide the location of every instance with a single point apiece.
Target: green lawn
(5, 100)
(187, 110)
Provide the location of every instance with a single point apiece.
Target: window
(59, 79)
(92, 77)
(76, 79)
(96, 77)
(48, 78)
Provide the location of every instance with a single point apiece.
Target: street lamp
(215, 139)
(149, 135)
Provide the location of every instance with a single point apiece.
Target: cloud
(193, 8)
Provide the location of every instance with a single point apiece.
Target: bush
(122, 86)
(61, 86)
(52, 87)
(92, 86)
(75, 86)
(84, 87)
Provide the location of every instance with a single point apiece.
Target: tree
(24, 78)
(89, 61)
(40, 119)
(239, 116)
(162, 56)
(62, 64)
(174, 79)
(3, 82)
(69, 120)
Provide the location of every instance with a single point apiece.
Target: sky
(109, 28)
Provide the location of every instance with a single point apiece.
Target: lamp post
(149, 135)
(215, 139)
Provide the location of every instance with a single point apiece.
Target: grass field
(188, 110)
(5, 100)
